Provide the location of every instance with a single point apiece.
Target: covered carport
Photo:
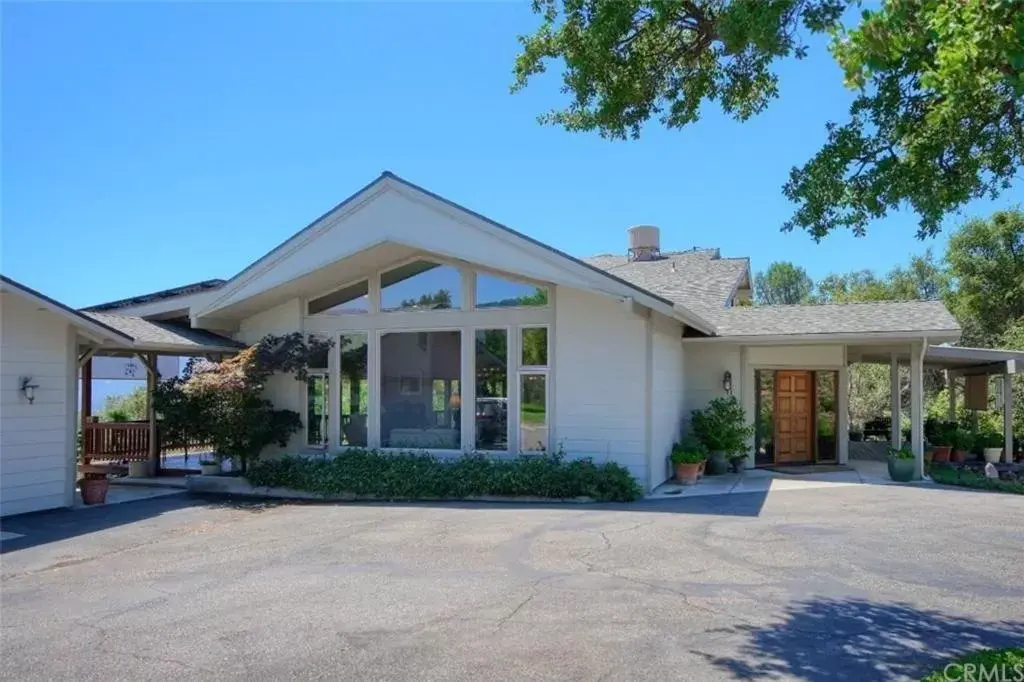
(956, 362)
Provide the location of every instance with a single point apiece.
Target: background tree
(986, 260)
(783, 283)
(938, 117)
(128, 407)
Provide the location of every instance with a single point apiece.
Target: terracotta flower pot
(959, 456)
(94, 490)
(929, 455)
(941, 453)
(686, 472)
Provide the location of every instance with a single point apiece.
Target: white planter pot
(138, 469)
(210, 469)
(993, 455)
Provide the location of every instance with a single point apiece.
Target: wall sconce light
(29, 389)
(727, 382)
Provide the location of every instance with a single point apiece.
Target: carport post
(896, 433)
(917, 407)
(951, 388)
(1007, 416)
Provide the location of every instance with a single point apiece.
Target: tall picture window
(492, 389)
(533, 412)
(420, 390)
(355, 393)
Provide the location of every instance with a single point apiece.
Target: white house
(433, 308)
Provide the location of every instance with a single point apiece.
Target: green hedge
(1008, 664)
(969, 479)
(410, 476)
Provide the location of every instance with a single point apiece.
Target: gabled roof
(887, 317)
(388, 180)
(697, 279)
(127, 331)
(155, 334)
(89, 326)
(175, 292)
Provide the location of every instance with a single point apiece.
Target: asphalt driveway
(856, 583)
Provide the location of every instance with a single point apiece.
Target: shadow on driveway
(39, 528)
(855, 639)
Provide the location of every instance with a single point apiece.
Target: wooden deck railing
(115, 441)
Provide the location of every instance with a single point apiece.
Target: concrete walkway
(763, 481)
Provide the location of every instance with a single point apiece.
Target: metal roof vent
(644, 243)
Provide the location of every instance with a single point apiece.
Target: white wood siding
(599, 369)
(36, 452)
(706, 364)
(669, 395)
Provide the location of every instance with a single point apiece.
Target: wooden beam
(87, 388)
(148, 361)
(86, 356)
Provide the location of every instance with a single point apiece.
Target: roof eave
(831, 337)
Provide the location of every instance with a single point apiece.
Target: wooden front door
(794, 416)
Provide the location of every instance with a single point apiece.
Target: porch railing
(127, 441)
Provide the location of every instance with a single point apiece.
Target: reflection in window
(420, 400)
(825, 387)
(316, 409)
(421, 285)
(492, 389)
(533, 413)
(764, 382)
(351, 299)
(355, 398)
(497, 292)
(535, 346)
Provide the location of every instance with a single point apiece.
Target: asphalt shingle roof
(846, 318)
(698, 280)
(184, 290)
(163, 334)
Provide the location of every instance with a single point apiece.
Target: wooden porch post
(1007, 416)
(154, 446)
(87, 390)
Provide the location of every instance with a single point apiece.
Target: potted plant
(93, 488)
(209, 467)
(962, 441)
(901, 464)
(687, 458)
(943, 435)
(992, 446)
(723, 429)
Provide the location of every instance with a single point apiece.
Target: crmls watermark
(980, 672)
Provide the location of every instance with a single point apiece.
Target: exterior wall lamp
(727, 382)
(28, 389)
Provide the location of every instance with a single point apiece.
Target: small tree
(223, 400)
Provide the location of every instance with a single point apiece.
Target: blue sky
(149, 145)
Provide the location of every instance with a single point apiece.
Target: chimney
(644, 243)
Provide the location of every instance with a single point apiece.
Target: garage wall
(600, 367)
(668, 395)
(36, 451)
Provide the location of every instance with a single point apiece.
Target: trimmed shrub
(948, 475)
(411, 476)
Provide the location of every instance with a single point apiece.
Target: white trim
(850, 338)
